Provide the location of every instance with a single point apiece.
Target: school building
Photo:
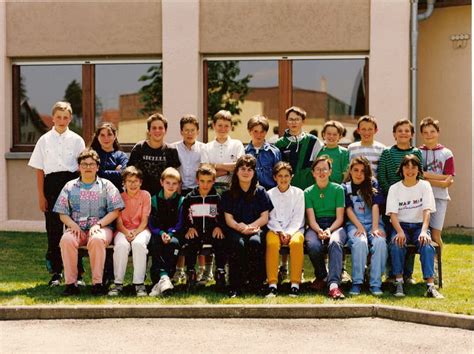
(338, 59)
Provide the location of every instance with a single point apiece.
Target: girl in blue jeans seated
(324, 203)
(365, 227)
(409, 204)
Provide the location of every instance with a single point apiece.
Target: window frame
(88, 95)
(285, 80)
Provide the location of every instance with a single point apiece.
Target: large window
(328, 89)
(122, 93)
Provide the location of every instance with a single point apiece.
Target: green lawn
(23, 281)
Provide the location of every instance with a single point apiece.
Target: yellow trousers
(272, 258)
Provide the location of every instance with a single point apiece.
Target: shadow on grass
(456, 239)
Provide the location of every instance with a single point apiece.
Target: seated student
(365, 227)
(324, 203)
(203, 223)
(266, 154)
(286, 226)
(332, 133)
(165, 223)
(87, 206)
(246, 206)
(132, 233)
(409, 204)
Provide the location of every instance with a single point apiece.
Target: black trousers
(192, 247)
(53, 184)
(163, 257)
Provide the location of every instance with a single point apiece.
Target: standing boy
(153, 155)
(367, 146)
(332, 133)
(266, 154)
(54, 158)
(223, 151)
(438, 169)
(203, 223)
(165, 223)
(299, 148)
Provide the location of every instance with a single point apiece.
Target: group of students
(168, 200)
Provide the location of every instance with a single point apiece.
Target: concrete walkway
(165, 335)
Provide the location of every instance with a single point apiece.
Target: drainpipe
(415, 17)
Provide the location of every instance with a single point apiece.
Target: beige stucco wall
(445, 93)
(282, 26)
(83, 28)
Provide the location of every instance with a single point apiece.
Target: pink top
(136, 208)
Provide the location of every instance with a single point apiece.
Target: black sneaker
(294, 291)
(272, 292)
(190, 281)
(55, 280)
(71, 290)
(234, 293)
(220, 280)
(98, 289)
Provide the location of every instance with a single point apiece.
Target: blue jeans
(427, 252)
(360, 247)
(316, 247)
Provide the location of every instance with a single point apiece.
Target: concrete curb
(237, 311)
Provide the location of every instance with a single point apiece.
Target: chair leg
(440, 268)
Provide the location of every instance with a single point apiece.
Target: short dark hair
(368, 119)
(258, 120)
(188, 119)
(295, 109)
(410, 159)
(402, 122)
(132, 171)
(332, 123)
(156, 116)
(282, 165)
(322, 158)
(429, 121)
(206, 169)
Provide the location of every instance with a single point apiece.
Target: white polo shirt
(215, 152)
(190, 160)
(56, 152)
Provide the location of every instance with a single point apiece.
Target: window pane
(125, 95)
(245, 88)
(332, 89)
(40, 87)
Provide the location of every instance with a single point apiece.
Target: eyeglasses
(319, 170)
(292, 120)
(88, 165)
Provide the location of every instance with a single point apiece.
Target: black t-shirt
(152, 162)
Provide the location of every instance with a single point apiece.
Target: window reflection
(332, 89)
(40, 87)
(245, 88)
(125, 95)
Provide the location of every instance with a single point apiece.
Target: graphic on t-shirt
(410, 204)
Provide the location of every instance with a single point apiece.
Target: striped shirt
(388, 165)
(372, 153)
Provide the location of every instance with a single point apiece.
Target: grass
(23, 281)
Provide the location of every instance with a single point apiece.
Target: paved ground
(364, 335)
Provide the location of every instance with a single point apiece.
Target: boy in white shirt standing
(55, 160)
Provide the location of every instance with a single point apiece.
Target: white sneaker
(155, 291)
(179, 277)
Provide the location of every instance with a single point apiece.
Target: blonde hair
(171, 172)
(62, 106)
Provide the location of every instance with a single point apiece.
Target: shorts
(437, 218)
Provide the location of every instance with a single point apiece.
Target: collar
(224, 143)
(161, 195)
(56, 134)
(265, 146)
(437, 147)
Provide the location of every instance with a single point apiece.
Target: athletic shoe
(80, 281)
(318, 284)
(355, 289)
(116, 290)
(345, 277)
(234, 293)
(71, 290)
(179, 277)
(55, 280)
(140, 290)
(162, 286)
(294, 291)
(432, 292)
(336, 294)
(399, 289)
(410, 280)
(376, 291)
(98, 289)
(204, 277)
(272, 292)
(190, 280)
(220, 280)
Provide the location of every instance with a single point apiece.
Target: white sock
(429, 284)
(333, 286)
(295, 285)
(272, 286)
(399, 280)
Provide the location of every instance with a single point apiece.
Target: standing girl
(365, 227)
